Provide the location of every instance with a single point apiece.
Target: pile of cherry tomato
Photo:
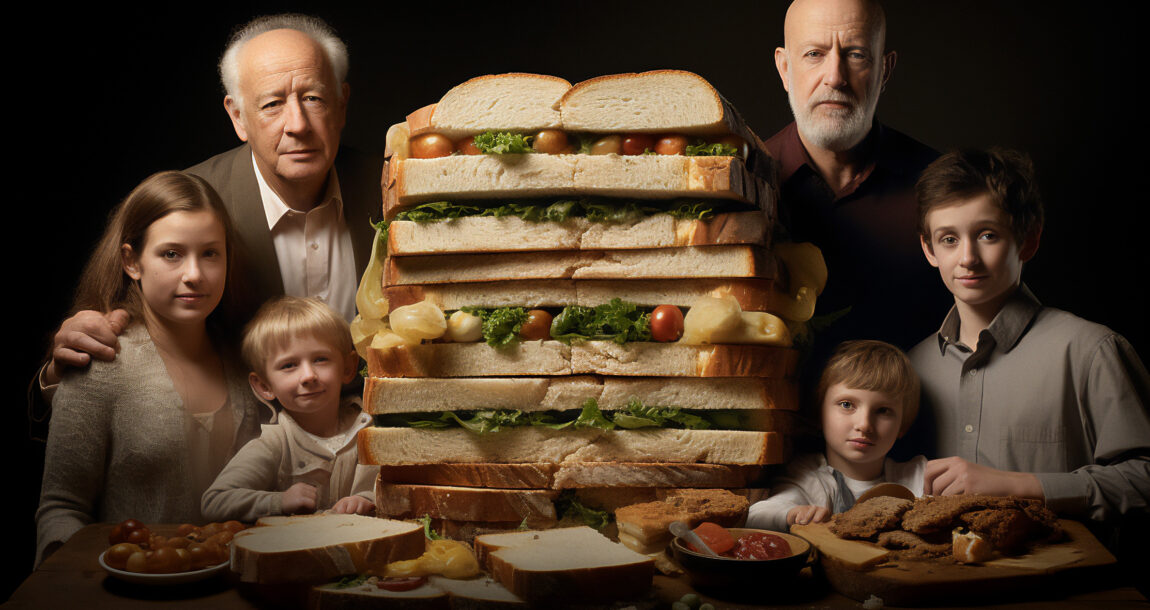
(135, 548)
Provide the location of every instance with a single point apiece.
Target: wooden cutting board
(859, 569)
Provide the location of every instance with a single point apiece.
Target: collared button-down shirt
(1048, 393)
(313, 248)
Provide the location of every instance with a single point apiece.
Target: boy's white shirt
(809, 480)
(253, 482)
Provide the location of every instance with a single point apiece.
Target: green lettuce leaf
(617, 321)
(503, 143)
(718, 149)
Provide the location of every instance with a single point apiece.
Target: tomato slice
(715, 536)
(406, 583)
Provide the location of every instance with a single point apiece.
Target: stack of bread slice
(504, 431)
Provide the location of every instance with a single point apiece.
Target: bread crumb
(872, 603)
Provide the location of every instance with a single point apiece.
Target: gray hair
(314, 27)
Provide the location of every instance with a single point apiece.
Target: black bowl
(707, 572)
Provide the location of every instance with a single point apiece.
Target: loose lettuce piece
(503, 143)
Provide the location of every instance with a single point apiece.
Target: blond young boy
(1028, 400)
(301, 355)
(867, 398)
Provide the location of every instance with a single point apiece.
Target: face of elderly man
(290, 109)
(833, 69)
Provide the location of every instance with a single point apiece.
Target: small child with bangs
(867, 398)
(301, 355)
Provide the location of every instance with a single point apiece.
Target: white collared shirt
(313, 248)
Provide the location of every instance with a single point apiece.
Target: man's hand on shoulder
(954, 476)
(86, 335)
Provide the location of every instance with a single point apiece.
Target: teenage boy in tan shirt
(1028, 400)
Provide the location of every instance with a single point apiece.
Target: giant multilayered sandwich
(523, 318)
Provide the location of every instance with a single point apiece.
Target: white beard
(838, 130)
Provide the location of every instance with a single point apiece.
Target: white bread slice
(515, 101)
(408, 182)
(529, 445)
(572, 476)
(669, 263)
(568, 565)
(753, 294)
(512, 234)
(653, 102)
(318, 548)
(638, 359)
(368, 596)
(439, 593)
(400, 395)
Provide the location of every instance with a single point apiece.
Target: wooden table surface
(73, 578)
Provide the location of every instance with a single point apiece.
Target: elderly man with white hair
(847, 181)
(300, 205)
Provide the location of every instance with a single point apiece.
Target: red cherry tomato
(430, 146)
(671, 144)
(715, 536)
(537, 326)
(760, 545)
(406, 583)
(467, 146)
(666, 323)
(637, 143)
(140, 536)
(551, 142)
(607, 145)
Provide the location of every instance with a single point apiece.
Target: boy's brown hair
(1007, 176)
(281, 320)
(875, 366)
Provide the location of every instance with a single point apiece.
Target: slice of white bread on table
(319, 548)
(511, 234)
(567, 565)
(439, 593)
(635, 359)
(528, 445)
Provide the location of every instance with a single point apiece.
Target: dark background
(104, 99)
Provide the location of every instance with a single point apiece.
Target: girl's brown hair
(104, 285)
